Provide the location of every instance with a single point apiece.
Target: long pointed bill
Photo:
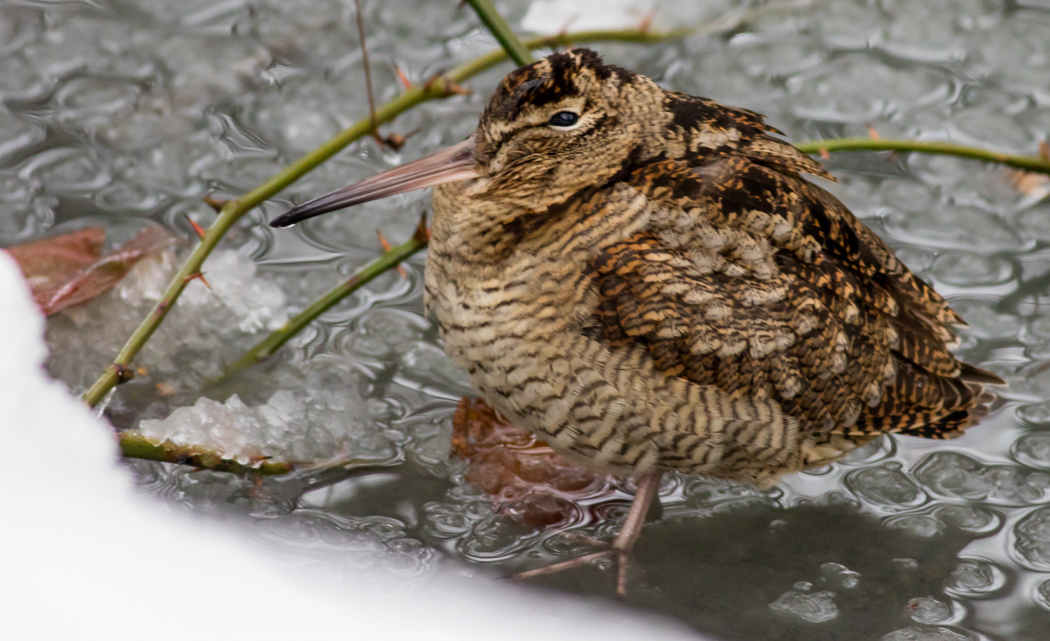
(448, 165)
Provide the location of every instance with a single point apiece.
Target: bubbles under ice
(817, 607)
(1032, 539)
(937, 633)
(927, 609)
(956, 475)
(839, 575)
(920, 525)
(973, 519)
(975, 577)
(886, 485)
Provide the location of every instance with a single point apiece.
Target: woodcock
(644, 279)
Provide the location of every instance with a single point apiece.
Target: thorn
(448, 86)
(824, 153)
(397, 141)
(422, 234)
(565, 29)
(124, 373)
(647, 21)
(394, 141)
(197, 228)
(385, 244)
(402, 78)
(1029, 183)
(165, 389)
(874, 135)
(215, 203)
(456, 89)
(197, 276)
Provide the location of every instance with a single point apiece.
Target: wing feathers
(755, 281)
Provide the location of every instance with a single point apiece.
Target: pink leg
(622, 544)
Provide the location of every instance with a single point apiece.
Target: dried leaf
(70, 269)
(519, 471)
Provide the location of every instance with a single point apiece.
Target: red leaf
(70, 269)
(516, 468)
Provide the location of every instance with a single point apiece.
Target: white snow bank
(82, 556)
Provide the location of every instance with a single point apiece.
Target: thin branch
(368, 73)
(135, 445)
(495, 23)
(389, 260)
(1027, 163)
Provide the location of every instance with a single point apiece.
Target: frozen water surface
(123, 117)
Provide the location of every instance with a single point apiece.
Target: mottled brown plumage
(655, 286)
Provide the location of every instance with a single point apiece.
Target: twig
(441, 86)
(389, 260)
(368, 74)
(517, 51)
(135, 445)
(214, 202)
(1027, 163)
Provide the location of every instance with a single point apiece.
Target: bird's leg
(621, 545)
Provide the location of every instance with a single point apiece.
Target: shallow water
(126, 113)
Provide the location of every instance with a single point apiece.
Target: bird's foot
(619, 555)
(620, 548)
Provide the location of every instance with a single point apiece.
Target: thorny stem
(135, 445)
(495, 23)
(1027, 163)
(441, 86)
(389, 260)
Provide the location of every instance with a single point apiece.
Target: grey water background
(123, 114)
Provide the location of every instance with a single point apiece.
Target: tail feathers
(921, 404)
(972, 374)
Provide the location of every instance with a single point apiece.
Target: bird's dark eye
(563, 119)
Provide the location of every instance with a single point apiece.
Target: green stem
(389, 260)
(135, 445)
(517, 51)
(439, 87)
(1027, 163)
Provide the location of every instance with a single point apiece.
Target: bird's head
(553, 127)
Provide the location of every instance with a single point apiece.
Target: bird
(648, 281)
